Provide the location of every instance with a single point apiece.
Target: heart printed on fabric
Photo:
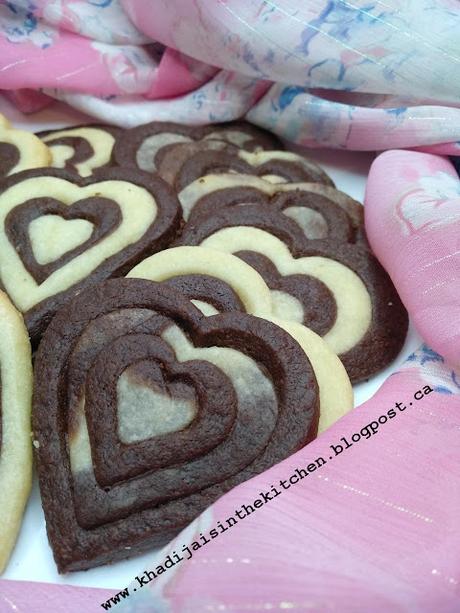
(233, 395)
(60, 233)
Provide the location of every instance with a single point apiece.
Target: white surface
(32, 558)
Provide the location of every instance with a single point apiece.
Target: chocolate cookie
(146, 411)
(60, 233)
(15, 441)
(20, 150)
(310, 210)
(335, 287)
(141, 147)
(82, 149)
(272, 166)
(218, 282)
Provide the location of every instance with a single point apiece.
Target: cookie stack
(199, 300)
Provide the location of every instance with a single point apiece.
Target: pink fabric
(413, 224)
(361, 75)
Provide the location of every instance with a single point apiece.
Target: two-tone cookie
(20, 150)
(309, 210)
(146, 411)
(60, 233)
(333, 285)
(83, 149)
(272, 166)
(15, 427)
(217, 282)
(143, 147)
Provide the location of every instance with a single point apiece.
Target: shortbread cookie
(218, 282)
(4, 122)
(82, 149)
(15, 428)
(272, 166)
(60, 233)
(146, 411)
(339, 290)
(141, 147)
(309, 210)
(20, 150)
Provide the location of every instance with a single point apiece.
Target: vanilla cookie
(142, 147)
(20, 150)
(83, 149)
(15, 427)
(60, 233)
(146, 411)
(4, 122)
(331, 285)
(218, 282)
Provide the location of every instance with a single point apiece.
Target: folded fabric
(413, 221)
(362, 75)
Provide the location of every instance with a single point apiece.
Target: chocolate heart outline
(163, 229)
(120, 461)
(76, 548)
(126, 147)
(18, 235)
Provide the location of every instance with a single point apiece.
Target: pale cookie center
(145, 155)
(144, 412)
(312, 223)
(230, 136)
(286, 306)
(51, 236)
(60, 154)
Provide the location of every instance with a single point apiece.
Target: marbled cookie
(142, 147)
(146, 411)
(309, 210)
(218, 282)
(272, 166)
(60, 233)
(15, 427)
(20, 150)
(337, 289)
(82, 149)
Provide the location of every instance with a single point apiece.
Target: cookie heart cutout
(254, 389)
(131, 213)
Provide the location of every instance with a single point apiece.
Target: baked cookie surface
(217, 282)
(15, 426)
(83, 149)
(60, 233)
(164, 410)
(315, 261)
(20, 150)
(144, 146)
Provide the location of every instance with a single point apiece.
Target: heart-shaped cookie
(333, 285)
(245, 385)
(82, 149)
(218, 282)
(15, 441)
(272, 166)
(20, 150)
(118, 215)
(143, 147)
